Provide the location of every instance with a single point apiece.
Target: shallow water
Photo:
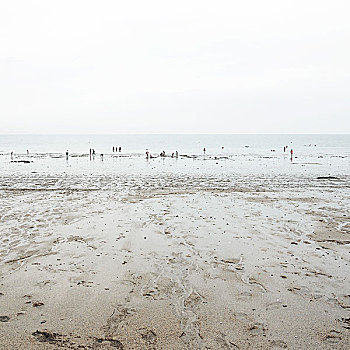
(242, 155)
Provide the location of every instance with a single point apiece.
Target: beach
(174, 175)
(222, 251)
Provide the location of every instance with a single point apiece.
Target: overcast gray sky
(248, 66)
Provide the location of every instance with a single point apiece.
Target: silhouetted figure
(113, 148)
(291, 154)
(120, 149)
(177, 154)
(67, 154)
(11, 155)
(204, 150)
(147, 154)
(27, 152)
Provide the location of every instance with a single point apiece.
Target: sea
(251, 154)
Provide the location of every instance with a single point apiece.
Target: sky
(179, 66)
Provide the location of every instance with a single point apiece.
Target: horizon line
(108, 134)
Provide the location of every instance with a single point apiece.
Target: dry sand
(174, 262)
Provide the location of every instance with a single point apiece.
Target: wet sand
(174, 261)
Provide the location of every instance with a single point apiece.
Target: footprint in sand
(344, 301)
(241, 316)
(274, 305)
(148, 335)
(333, 337)
(278, 345)
(193, 299)
(4, 318)
(225, 343)
(43, 337)
(244, 295)
(257, 329)
(346, 322)
(105, 343)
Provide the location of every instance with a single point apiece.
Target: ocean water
(194, 144)
(226, 155)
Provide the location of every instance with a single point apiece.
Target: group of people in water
(148, 154)
(12, 154)
(291, 151)
(92, 152)
(162, 154)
